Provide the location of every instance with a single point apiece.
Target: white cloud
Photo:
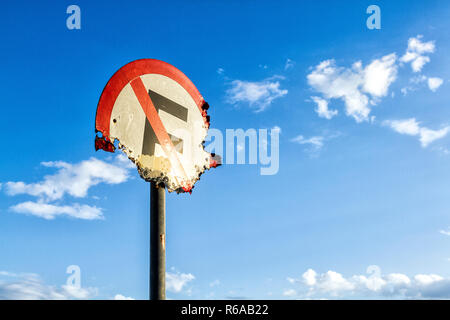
(445, 232)
(175, 282)
(316, 142)
(407, 126)
(309, 277)
(291, 280)
(419, 62)
(354, 85)
(427, 136)
(258, 95)
(379, 75)
(289, 293)
(50, 211)
(220, 70)
(413, 128)
(122, 297)
(73, 179)
(376, 285)
(74, 292)
(427, 279)
(322, 108)
(31, 287)
(362, 87)
(434, 83)
(398, 279)
(333, 283)
(416, 53)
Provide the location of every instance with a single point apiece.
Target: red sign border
(131, 71)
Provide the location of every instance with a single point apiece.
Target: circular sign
(159, 119)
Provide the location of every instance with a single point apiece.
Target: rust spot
(104, 144)
(215, 161)
(207, 118)
(188, 189)
(162, 238)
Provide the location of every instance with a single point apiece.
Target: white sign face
(160, 121)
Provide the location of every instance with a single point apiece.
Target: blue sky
(352, 191)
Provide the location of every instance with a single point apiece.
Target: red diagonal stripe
(158, 127)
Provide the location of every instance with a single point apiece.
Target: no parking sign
(159, 118)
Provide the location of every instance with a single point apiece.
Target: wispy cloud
(433, 83)
(176, 281)
(289, 64)
(31, 287)
(316, 142)
(50, 211)
(259, 94)
(412, 127)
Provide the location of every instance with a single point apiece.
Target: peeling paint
(104, 144)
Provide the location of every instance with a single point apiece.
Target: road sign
(160, 120)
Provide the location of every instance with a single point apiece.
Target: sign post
(157, 242)
(160, 121)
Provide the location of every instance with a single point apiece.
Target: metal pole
(157, 242)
